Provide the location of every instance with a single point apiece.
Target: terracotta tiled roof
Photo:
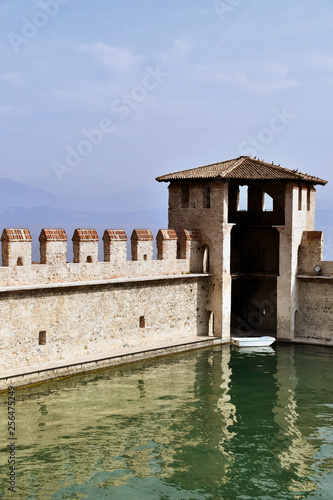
(167, 234)
(193, 235)
(16, 235)
(53, 235)
(85, 235)
(142, 235)
(245, 168)
(114, 234)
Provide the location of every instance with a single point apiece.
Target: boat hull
(252, 341)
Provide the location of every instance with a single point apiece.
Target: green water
(214, 424)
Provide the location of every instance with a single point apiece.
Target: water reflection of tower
(252, 390)
(297, 450)
(206, 428)
(228, 411)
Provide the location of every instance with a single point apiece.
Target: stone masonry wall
(215, 230)
(100, 318)
(314, 314)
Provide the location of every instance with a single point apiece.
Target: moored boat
(252, 341)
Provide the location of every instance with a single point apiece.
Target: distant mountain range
(19, 194)
(22, 205)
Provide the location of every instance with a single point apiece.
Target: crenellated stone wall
(57, 310)
(17, 268)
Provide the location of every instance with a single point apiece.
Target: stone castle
(228, 263)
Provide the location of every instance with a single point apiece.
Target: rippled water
(215, 424)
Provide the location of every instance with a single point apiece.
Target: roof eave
(322, 182)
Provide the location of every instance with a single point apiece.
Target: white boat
(252, 341)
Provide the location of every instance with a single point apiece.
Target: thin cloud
(114, 59)
(14, 111)
(322, 61)
(14, 78)
(265, 78)
(177, 53)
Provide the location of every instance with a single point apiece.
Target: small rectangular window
(268, 203)
(142, 322)
(206, 196)
(185, 195)
(299, 198)
(42, 338)
(243, 199)
(308, 203)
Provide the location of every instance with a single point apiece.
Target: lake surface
(214, 424)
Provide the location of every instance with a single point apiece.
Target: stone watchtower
(251, 216)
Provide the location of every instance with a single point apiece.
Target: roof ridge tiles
(243, 167)
(232, 167)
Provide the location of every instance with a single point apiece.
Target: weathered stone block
(310, 251)
(53, 246)
(85, 245)
(16, 247)
(190, 248)
(166, 240)
(115, 245)
(142, 244)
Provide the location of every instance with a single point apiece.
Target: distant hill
(18, 194)
(46, 216)
(14, 193)
(39, 217)
(22, 205)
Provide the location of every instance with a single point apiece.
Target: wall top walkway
(102, 282)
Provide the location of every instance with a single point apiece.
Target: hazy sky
(102, 96)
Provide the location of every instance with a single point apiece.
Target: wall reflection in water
(219, 423)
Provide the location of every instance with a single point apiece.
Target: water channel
(212, 424)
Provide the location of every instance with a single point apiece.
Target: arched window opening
(19, 261)
(268, 203)
(89, 259)
(243, 199)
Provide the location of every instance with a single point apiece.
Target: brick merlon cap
(16, 235)
(312, 235)
(167, 234)
(193, 234)
(114, 235)
(85, 235)
(142, 235)
(53, 235)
